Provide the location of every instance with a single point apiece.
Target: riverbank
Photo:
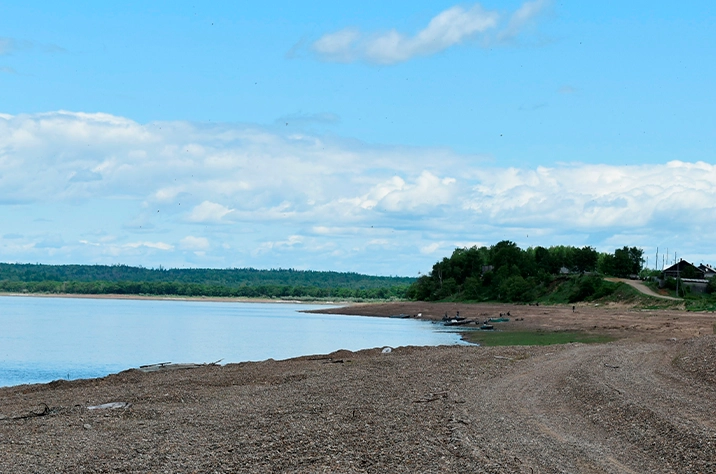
(643, 403)
(619, 407)
(614, 320)
(213, 299)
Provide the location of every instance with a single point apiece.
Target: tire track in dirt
(603, 408)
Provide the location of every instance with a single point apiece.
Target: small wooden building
(684, 269)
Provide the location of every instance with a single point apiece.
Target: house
(689, 275)
(684, 269)
(708, 270)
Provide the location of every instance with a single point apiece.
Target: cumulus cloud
(76, 176)
(451, 27)
(396, 195)
(595, 197)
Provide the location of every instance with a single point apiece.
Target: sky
(370, 137)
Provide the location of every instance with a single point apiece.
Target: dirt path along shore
(642, 288)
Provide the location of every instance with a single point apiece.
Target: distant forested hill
(249, 282)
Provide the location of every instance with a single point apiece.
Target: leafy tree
(505, 253)
(516, 289)
(585, 259)
(543, 260)
(623, 263)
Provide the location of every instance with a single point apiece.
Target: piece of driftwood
(110, 406)
(171, 366)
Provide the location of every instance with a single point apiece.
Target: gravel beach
(644, 403)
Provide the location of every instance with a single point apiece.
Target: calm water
(45, 339)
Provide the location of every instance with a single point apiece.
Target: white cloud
(451, 27)
(287, 200)
(431, 248)
(290, 242)
(209, 212)
(338, 45)
(194, 243)
(595, 197)
(522, 17)
(395, 195)
(151, 245)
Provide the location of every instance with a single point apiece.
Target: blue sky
(351, 136)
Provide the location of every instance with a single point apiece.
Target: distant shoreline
(212, 299)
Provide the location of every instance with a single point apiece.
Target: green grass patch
(702, 303)
(533, 338)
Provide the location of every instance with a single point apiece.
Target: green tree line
(505, 272)
(197, 289)
(244, 282)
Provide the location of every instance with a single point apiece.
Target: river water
(44, 339)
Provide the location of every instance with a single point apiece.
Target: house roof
(707, 268)
(679, 267)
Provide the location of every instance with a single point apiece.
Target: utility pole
(677, 276)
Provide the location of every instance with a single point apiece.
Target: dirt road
(642, 288)
(606, 408)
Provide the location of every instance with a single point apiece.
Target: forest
(236, 282)
(505, 272)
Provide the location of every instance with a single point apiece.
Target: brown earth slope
(643, 404)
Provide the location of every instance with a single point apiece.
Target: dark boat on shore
(499, 320)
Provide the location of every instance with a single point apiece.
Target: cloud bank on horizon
(185, 135)
(98, 188)
(451, 27)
